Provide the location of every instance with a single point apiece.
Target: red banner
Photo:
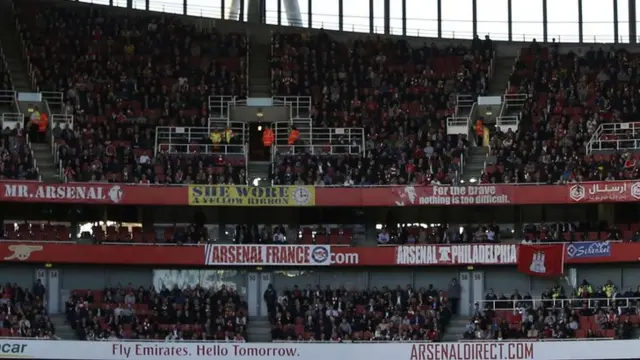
(541, 260)
(292, 255)
(93, 193)
(122, 194)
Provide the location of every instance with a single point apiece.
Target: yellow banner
(239, 195)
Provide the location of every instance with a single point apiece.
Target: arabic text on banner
(230, 195)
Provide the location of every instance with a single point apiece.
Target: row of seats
(342, 315)
(568, 98)
(169, 314)
(124, 75)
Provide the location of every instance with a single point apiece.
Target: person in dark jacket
(271, 298)
(454, 296)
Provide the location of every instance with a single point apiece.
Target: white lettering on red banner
(64, 192)
(464, 195)
(482, 254)
(265, 255)
(472, 351)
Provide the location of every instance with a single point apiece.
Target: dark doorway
(257, 150)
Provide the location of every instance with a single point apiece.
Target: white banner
(516, 350)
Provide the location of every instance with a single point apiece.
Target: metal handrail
(591, 302)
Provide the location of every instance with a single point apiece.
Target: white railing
(9, 97)
(628, 128)
(457, 125)
(300, 105)
(560, 303)
(317, 150)
(512, 102)
(505, 123)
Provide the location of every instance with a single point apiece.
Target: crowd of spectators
(126, 312)
(438, 234)
(338, 314)
(23, 312)
(124, 75)
(16, 157)
(584, 312)
(399, 93)
(568, 97)
(585, 231)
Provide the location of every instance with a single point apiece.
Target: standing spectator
(454, 296)
(270, 297)
(39, 290)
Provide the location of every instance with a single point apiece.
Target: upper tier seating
(339, 314)
(399, 94)
(122, 76)
(569, 96)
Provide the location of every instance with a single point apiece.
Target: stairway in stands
(11, 42)
(475, 162)
(259, 87)
(259, 69)
(63, 330)
(456, 329)
(259, 329)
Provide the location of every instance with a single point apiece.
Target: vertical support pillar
(580, 23)
(440, 18)
(292, 9)
(545, 33)
(233, 13)
(616, 30)
(387, 17)
(510, 18)
(632, 22)
(474, 11)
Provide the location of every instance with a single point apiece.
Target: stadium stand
(128, 84)
(23, 314)
(591, 312)
(574, 122)
(127, 312)
(400, 94)
(342, 315)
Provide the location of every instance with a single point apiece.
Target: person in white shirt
(491, 235)
(144, 159)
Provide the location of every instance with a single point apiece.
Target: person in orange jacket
(267, 137)
(294, 136)
(480, 132)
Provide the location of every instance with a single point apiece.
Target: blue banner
(588, 249)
